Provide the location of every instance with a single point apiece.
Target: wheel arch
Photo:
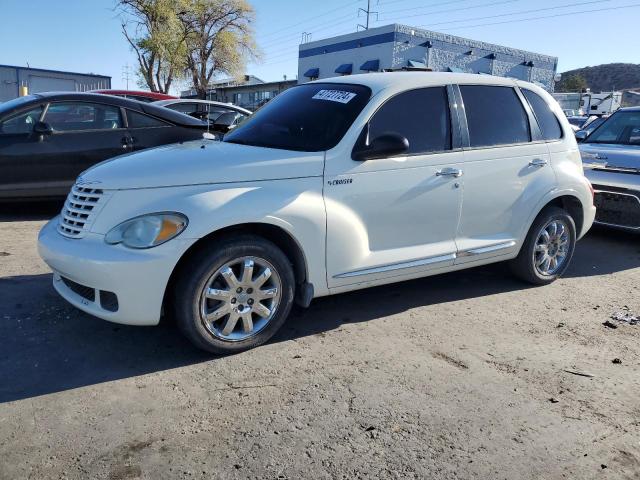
(569, 202)
(276, 234)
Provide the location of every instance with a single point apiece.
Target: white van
(333, 186)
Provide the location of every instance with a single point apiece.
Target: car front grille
(618, 209)
(79, 211)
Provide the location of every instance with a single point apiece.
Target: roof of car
(408, 79)
(149, 108)
(206, 102)
(630, 109)
(139, 93)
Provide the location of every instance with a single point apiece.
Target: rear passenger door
(146, 131)
(506, 171)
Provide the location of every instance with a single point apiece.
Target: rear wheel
(548, 248)
(235, 297)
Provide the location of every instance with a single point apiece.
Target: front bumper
(114, 283)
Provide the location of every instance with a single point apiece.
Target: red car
(137, 95)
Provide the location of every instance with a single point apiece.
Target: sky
(84, 35)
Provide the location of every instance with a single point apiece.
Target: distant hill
(605, 77)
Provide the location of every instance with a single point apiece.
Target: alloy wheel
(240, 298)
(552, 248)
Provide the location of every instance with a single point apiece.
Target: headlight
(147, 231)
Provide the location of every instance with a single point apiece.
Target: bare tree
(219, 39)
(158, 37)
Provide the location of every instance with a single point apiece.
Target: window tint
(22, 122)
(310, 118)
(547, 120)
(422, 116)
(139, 120)
(495, 116)
(74, 116)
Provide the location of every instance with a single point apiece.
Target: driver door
(396, 217)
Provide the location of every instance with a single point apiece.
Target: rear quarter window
(495, 116)
(547, 120)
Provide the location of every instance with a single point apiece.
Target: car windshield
(308, 118)
(621, 128)
(16, 102)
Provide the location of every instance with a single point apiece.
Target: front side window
(307, 118)
(421, 116)
(78, 116)
(22, 122)
(495, 116)
(547, 120)
(620, 128)
(140, 120)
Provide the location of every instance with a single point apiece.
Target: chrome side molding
(428, 261)
(399, 266)
(489, 249)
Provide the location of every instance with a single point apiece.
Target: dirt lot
(457, 376)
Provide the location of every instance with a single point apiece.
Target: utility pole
(368, 12)
(126, 74)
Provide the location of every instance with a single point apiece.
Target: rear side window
(139, 120)
(78, 116)
(422, 116)
(547, 120)
(495, 116)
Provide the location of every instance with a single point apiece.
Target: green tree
(219, 39)
(157, 36)
(574, 83)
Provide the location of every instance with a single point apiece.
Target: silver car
(611, 158)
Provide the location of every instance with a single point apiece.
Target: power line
(548, 16)
(315, 17)
(522, 12)
(493, 4)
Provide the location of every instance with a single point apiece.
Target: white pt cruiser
(333, 186)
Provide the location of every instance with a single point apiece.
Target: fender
(549, 198)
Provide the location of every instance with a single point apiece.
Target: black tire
(523, 266)
(199, 268)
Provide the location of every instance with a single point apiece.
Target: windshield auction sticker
(334, 96)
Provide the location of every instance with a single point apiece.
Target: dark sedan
(47, 139)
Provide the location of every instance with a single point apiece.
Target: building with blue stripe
(398, 46)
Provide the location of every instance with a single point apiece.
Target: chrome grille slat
(79, 211)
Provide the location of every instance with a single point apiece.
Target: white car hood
(201, 162)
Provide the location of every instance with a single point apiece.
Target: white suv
(333, 186)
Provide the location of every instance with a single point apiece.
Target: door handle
(538, 162)
(449, 172)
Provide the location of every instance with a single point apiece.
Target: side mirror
(42, 128)
(384, 146)
(581, 135)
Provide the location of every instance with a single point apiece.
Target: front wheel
(548, 248)
(235, 296)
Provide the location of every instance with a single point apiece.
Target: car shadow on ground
(49, 346)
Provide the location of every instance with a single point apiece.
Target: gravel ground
(463, 375)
